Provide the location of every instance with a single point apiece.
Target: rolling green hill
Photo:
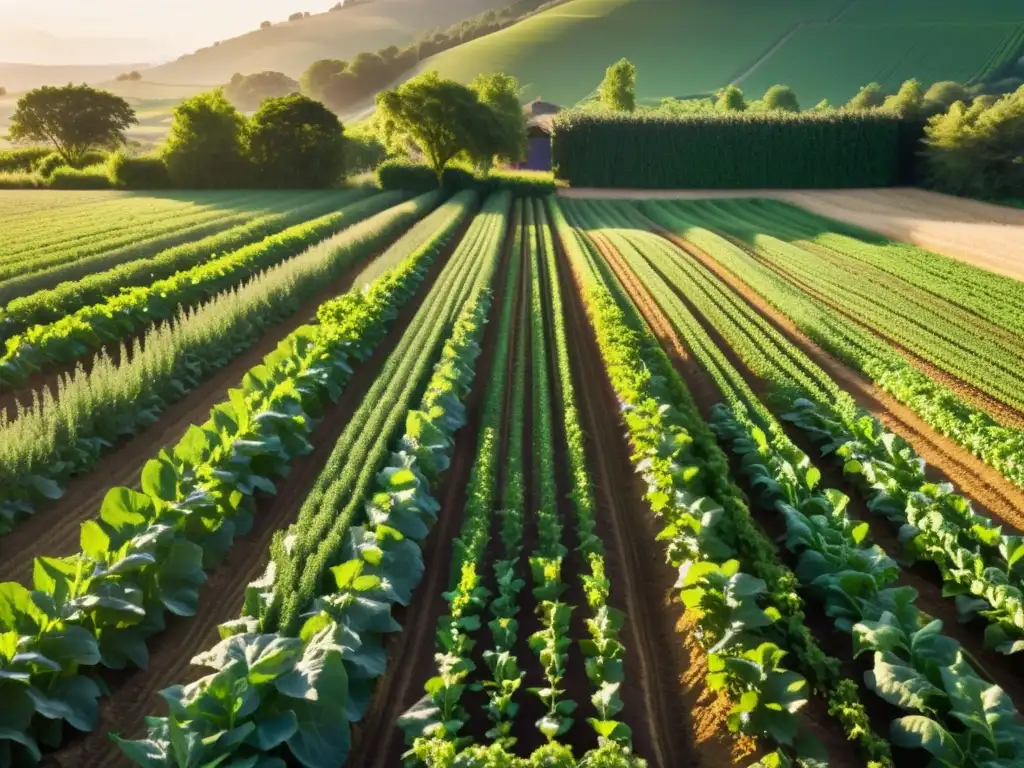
(292, 46)
(823, 48)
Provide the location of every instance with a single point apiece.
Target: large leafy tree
(74, 118)
(296, 142)
(247, 91)
(506, 138)
(206, 145)
(440, 118)
(908, 101)
(617, 91)
(730, 99)
(781, 97)
(868, 97)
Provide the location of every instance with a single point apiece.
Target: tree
(438, 117)
(907, 102)
(977, 150)
(3, 91)
(942, 95)
(822, 106)
(318, 74)
(869, 97)
(507, 139)
(297, 16)
(296, 142)
(618, 89)
(206, 145)
(266, 25)
(247, 91)
(133, 76)
(781, 97)
(74, 118)
(730, 99)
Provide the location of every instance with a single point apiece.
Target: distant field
(882, 53)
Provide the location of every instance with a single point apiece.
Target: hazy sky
(164, 27)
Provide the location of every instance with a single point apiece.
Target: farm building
(539, 115)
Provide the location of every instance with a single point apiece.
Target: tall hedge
(731, 150)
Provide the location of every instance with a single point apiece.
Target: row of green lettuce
(998, 445)
(63, 436)
(148, 551)
(337, 644)
(749, 614)
(959, 716)
(119, 317)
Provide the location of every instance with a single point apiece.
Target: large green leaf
(916, 731)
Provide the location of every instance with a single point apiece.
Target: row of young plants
(63, 436)
(983, 360)
(262, 716)
(604, 652)
(745, 600)
(120, 316)
(149, 230)
(45, 298)
(998, 445)
(997, 298)
(147, 552)
(855, 580)
(977, 560)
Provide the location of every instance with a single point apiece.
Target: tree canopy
(296, 142)
(868, 97)
(506, 140)
(617, 91)
(908, 101)
(74, 118)
(206, 144)
(730, 99)
(247, 91)
(440, 118)
(781, 97)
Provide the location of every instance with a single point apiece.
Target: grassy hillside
(291, 47)
(824, 48)
(884, 53)
(22, 77)
(680, 47)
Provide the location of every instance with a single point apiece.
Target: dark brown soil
(676, 720)
(133, 696)
(378, 742)
(706, 395)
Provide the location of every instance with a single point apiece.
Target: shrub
(296, 142)
(406, 175)
(138, 171)
(205, 148)
(411, 176)
(363, 151)
(731, 150)
(23, 160)
(47, 165)
(91, 177)
(18, 180)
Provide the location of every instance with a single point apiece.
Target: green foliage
(730, 99)
(247, 92)
(975, 150)
(506, 139)
(439, 118)
(617, 91)
(73, 118)
(90, 177)
(781, 97)
(868, 97)
(129, 171)
(295, 142)
(363, 150)
(24, 159)
(408, 175)
(908, 102)
(206, 145)
(941, 96)
(727, 150)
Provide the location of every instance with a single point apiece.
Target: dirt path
(985, 235)
(676, 721)
(946, 460)
(133, 695)
(54, 530)
(378, 742)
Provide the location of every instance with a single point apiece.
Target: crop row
(61, 437)
(990, 363)
(997, 445)
(147, 552)
(47, 296)
(148, 233)
(118, 317)
(344, 623)
(855, 581)
(729, 571)
(998, 299)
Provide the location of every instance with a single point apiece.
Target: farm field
(580, 479)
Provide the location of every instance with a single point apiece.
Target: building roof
(540, 122)
(537, 107)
